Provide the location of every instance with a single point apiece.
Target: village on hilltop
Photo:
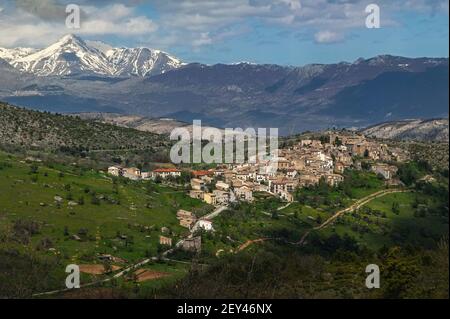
(304, 164)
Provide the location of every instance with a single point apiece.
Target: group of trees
(267, 273)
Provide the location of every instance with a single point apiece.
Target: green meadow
(77, 214)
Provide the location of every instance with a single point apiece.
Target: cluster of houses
(190, 221)
(134, 173)
(304, 164)
(301, 165)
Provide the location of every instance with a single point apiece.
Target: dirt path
(285, 206)
(146, 275)
(251, 242)
(361, 202)
(96, 269)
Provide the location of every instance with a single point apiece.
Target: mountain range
(73, 56)
(74, 75)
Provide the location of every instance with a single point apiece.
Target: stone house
(115, 170)
(132, 173)
(166, 241)
(197, 194)
(187, 219)
(222, 197)
(197, 184)
(385, 170)
(222, 186)
(244, 193)
(334, 179)
(210, 199)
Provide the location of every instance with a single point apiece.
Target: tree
(409, 173)
(95, 200)
(107, 267)
(324, 139)
(319, 219)
(399, 274)
(395, 208)
(337, 141)
(34, 169)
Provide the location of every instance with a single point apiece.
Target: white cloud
(191, 18)
(197, 23)
(22, 28)
(327, 37)
(204, 39)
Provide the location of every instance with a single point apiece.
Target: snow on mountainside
(421, 130)
(71, 56)
(14, 54)
(141, 61)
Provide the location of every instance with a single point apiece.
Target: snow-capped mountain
(16, 53)
(71, 56)
(141, 61)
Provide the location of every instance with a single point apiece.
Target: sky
(286, 32)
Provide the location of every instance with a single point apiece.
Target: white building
(205, 225)
(166, 172)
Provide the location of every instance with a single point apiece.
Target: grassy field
(52, 215)
(77, 214)
(378, 224)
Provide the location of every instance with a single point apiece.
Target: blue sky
(288, 32)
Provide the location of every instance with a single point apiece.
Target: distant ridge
(76, 76)
(415, 129)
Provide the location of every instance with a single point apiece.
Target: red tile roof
(202, 173)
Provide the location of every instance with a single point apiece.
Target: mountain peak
(70, 38)
(72, 55)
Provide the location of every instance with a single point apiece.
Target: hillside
(22, 127)
(420, 130)
(68, 214)
(140, 123)
(161, 126)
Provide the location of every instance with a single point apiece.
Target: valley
(130, 236)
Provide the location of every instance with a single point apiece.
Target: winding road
(359, 203)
